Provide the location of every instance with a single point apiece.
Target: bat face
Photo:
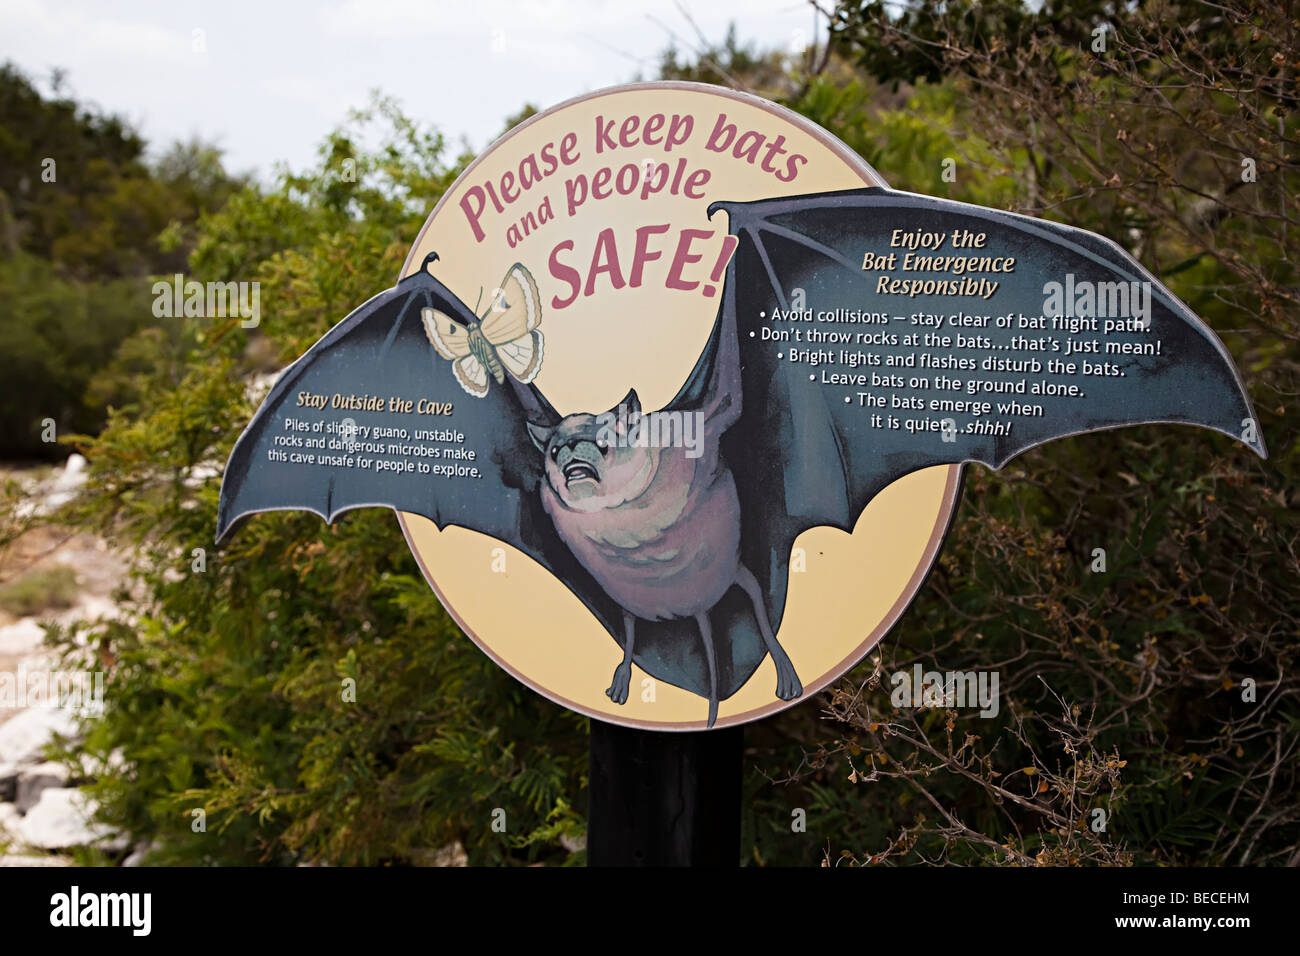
(594, 462)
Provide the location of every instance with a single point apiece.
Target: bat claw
(617, 691)
(788, 685)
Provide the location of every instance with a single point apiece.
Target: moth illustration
(681, 549)
(504, 338)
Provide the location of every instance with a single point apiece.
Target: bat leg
(706, 633)
(788, 685)
(623, 673)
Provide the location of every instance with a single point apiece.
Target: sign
(673, 397)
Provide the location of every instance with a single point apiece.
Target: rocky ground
(43, 814)
(64, 576)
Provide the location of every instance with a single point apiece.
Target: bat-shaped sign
(861, 335)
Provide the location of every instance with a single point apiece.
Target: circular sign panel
(691, 593)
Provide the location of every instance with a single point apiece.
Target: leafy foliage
(84, 224)
(1121, 692)
(59, 333)
(306, 690)
(39, 590)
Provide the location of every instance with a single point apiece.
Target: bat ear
(632, 403)
(541, 436)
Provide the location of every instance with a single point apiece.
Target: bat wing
(381, 349)
(803, 447)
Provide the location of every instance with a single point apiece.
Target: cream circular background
(855, 586)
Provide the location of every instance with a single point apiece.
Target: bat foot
(617, 691)
(788, 686)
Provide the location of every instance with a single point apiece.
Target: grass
(39, 590)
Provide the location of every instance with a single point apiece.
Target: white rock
(33, 781)
(202, 473)
(55, 499)
(23, 739)
(39, 662)
(138, 855)
(9, 817)
(22, 638)
(94, 607)
(67, 481)
(11, 850)
(73, 474)
(92, 767)
(63, 818)
(18, 859)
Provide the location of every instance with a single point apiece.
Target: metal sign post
(664, 799)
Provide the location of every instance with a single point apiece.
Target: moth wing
(515, 309)
(449, 337)
(523, 357)
(471, 374)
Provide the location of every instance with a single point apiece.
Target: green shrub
(1121, 693)
(39, 590)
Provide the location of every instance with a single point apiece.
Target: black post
(664, 799)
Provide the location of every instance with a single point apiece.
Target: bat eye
(603, 445)
(555, 452)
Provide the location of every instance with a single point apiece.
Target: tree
(307, 690)
(84, 225)
(303, 687)
(1171, 128)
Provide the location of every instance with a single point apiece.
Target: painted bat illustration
(681, 548)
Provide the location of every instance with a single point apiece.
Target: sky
(267, 80)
